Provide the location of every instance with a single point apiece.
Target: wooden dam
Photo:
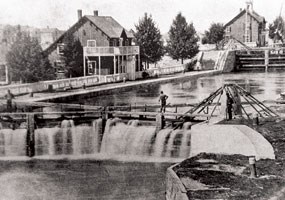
(34, 118)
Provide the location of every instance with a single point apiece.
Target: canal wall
(119, 87)
(175, 190)
(79, 82)
(230, 62)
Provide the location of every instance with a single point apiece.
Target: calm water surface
(264, 86)
(90, 179)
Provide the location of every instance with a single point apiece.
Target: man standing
(229, 106)
(162, 100)
(9, 96)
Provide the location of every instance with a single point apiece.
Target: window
(114, 42)
(84, 32)
(127, 42)
(121, 42)
(91, 43)
(60, 49)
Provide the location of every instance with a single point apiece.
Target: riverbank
(74, 94)
(210, 176)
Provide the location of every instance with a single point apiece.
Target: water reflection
(84, 179)
(265, 86)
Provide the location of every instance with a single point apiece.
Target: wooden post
(108, 115)
(84, 64)
(114, 64)
(159, 122)
(7, 75)
(266, 59)
(30, 135)
(145, 109)
(99, 68)
(252, 166)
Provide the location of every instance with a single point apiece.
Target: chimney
(79, 13)
(240, 10)
(95, 13)
(249, 6)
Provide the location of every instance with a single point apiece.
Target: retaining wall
(175, 190)
(73, 96)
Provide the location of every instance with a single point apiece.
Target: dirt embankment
(227, 176)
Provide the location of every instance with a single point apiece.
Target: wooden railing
(123, 50)
(54, 84)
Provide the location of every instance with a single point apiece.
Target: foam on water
(120, 141)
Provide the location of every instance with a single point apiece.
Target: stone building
(107, 46)
(248, 27)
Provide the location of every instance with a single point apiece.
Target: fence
(80, 81)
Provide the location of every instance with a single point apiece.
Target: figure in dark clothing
(9, 96)
(229, 106)
(162, 100)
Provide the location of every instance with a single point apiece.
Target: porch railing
(124, 50)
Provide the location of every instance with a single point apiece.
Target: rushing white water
(118, 139)
(13, 142)
(69, 139)
(160, 142)
(135, 139)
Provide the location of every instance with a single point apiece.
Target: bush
(190, 66)
(145, 75)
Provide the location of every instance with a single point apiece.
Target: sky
(62, 14)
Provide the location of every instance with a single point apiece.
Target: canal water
(264, 86)
(67, 169)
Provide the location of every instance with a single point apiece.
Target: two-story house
(107, 46)
(247, 26)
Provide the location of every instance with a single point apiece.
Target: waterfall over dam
(119, 138)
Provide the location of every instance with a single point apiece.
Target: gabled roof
(106, 24)
(255, 15)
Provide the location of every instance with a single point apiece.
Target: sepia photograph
(142, 99)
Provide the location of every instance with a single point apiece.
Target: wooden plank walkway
(58, 105)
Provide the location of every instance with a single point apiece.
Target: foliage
(26, 61)
(214, 35)
(277, 29)
(149, 39)
(190, 66)
(10, 33)
(182, 43)
(145, 75)
(73, 56)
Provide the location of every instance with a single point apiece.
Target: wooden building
(107, 46)
(248, 27)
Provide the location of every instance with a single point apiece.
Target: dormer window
(60, 49)
(91, 43)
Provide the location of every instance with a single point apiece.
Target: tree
(73, 56)
(214, 35)
(10, 33)
(277, 29)
(182, 43)
(26, 60)
(149, 39)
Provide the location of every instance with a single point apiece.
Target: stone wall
(230, 62)
(175, 190)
